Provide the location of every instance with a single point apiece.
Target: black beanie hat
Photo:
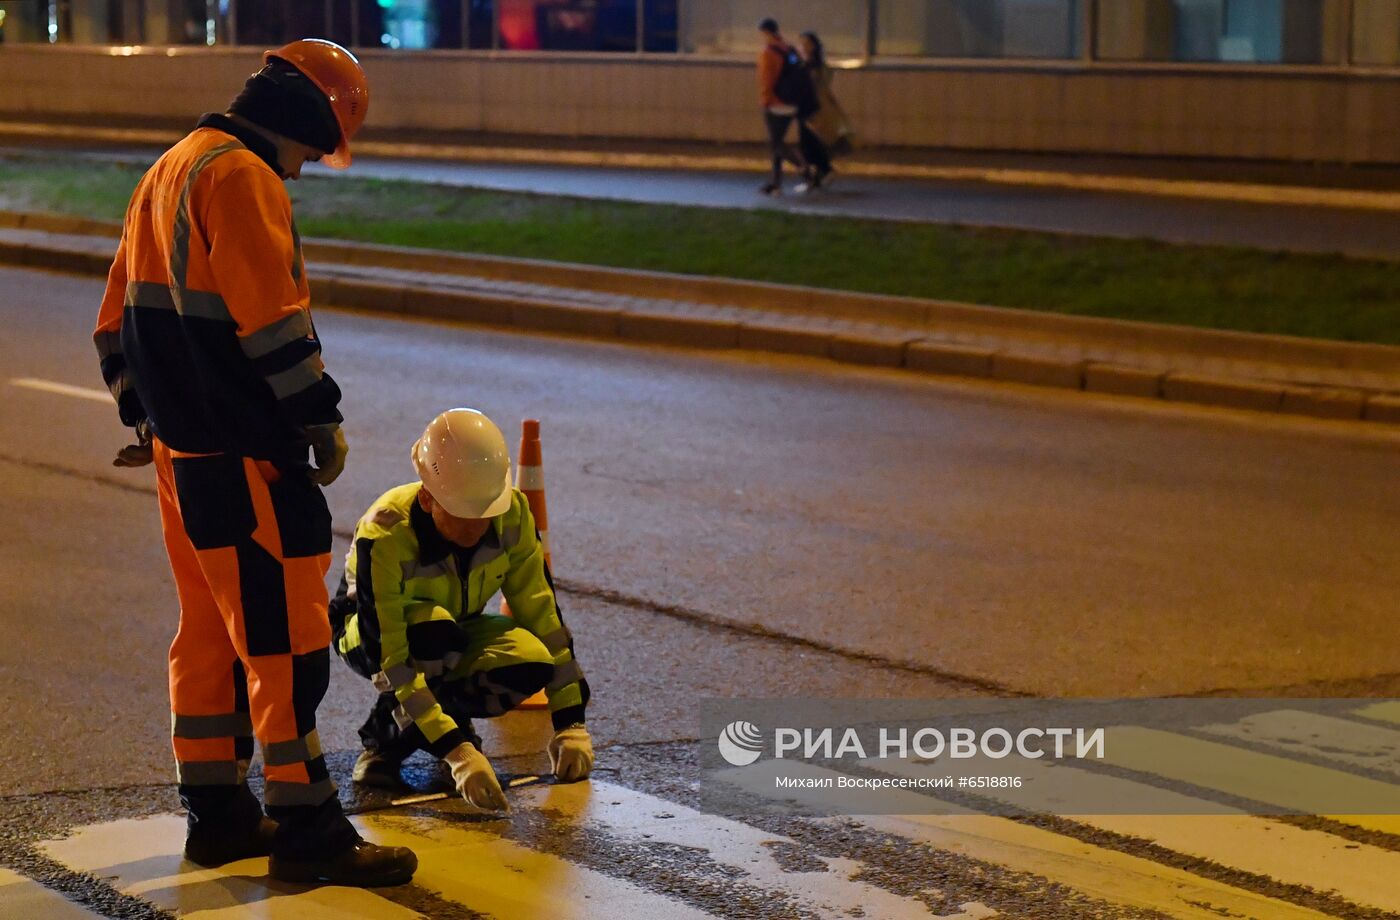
(281, 99)
(769, 25)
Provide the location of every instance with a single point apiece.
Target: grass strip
(1321, 296)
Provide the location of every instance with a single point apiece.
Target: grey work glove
(475, 780)
(140, 453)
(329, 448)
(571, 753)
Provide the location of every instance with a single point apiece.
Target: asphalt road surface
(729, 526)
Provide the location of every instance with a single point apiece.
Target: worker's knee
(526, 678)
(528, 649)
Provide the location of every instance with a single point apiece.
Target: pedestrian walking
(427, 559)
(785, 95)
(206, 341)
(826, 132)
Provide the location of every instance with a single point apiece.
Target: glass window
(481, 23)
(659, 25)
(568, 25)
(731, 26)
(272, 23)
(340, 21)
(1376, 33)
(1246, 31)
(978, 28)
(24, 21)
(411, 25)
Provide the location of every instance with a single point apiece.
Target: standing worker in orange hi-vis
(206, 341)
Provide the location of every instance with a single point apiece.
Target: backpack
(794, 84)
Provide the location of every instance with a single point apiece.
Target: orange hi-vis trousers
(249, 548)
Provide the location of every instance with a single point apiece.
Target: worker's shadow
(232, 885)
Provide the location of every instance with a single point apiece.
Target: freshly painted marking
(1263, 778)
(649, 820)
(23, 897)
(419, 799)
(65, 389)
(478, 868)
(1094, 871)
(1361, 874)
(475, 867)
(1381, 712)
(1321, 736)
(141, 857)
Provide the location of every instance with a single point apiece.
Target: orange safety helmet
(338, 74)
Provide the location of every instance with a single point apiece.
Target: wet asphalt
(723, 526)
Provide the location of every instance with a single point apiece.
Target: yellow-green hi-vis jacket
(409, 596)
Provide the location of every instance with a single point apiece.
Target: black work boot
(317, 844)
(377, 769)
(225, 825)
(361, 865)
(209, 847)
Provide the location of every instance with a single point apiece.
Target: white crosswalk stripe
(632, 854)
(1271, 780)
(1290, 731)
(142, 857)
(640, 817)
(1267, 848)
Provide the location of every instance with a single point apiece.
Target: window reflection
(568, 25)
(1228, 31)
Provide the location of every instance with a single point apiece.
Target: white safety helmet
(462, 459)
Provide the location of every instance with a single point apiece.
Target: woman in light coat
(827, 132)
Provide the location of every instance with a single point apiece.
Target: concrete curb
(1255, 193)
(895, 350)
(786, 331)
(949, 316)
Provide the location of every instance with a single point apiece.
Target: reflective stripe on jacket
(205, 327)
(410, 587)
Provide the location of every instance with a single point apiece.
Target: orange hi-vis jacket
(205, 328)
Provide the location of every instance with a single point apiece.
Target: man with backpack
(785, 92)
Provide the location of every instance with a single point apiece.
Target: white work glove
(329, 447)
(474, 778)
(571, 753)
(140, 453)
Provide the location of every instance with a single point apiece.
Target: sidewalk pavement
(1326, 185)
(1310, 377)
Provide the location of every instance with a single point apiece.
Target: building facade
(1270, 79)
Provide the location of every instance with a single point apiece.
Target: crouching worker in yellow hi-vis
(427, 559)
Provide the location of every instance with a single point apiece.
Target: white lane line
(1301, 787)
(476, 867)
(141, 857)
(1326, 737)
(636, 817)
(64, 389)
(1094, 871)
(1359, 873)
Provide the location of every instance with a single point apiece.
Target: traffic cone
(529, 479)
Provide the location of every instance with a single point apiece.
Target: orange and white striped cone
(529, 479)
